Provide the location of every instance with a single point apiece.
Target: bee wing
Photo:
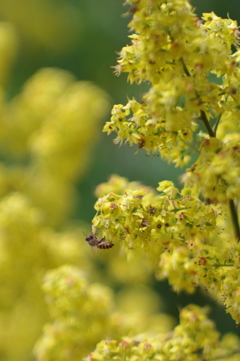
(94, 249)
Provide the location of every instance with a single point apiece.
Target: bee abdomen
(105, 245)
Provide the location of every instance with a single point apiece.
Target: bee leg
(101, 240)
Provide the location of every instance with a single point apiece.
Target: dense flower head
(136, 126)
(193, 339)
(152, 220)
(192, 68)
(186, 236)
(191, 71)
(83, 313)
(216, 173)
(183, 238)
(80, 313)
(205, 265)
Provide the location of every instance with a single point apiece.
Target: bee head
(90, 237)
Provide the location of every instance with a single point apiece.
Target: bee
(104, 245)
(94, 241)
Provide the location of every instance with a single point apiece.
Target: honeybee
(104, 245)
(94, 241)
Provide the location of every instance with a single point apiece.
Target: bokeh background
(83, 37)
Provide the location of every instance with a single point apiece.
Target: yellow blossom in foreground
(182, 238)
(83, 313)
(27, 250)
(194, 339)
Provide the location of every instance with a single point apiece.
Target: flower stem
(203, 114)
(212, 133)
(217, 123)
(185, 68)
(234, 216)
(206, 123)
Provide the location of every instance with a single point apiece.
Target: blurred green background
(83, 36)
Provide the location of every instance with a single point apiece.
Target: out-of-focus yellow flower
(82, 313)
(53, 123)
(27, 251)
(62, 144)
(27, 111)
(139, 298)
(44, 24)
(37, 191)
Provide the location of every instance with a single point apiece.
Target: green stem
(234, 216)
(233, 209)
(203, 114)
(179, 209)
(206, 123)
(212, 133)
(184, 67)
(217, 123)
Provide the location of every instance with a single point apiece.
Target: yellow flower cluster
(80, 313)
(47, 131)
(183, 239)
(52, 124)
(143, 218)
(186, 236)
(216, 173)
(176, 54)
(83, 313)
(192, 68)
(27, 250)
(194, 339)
